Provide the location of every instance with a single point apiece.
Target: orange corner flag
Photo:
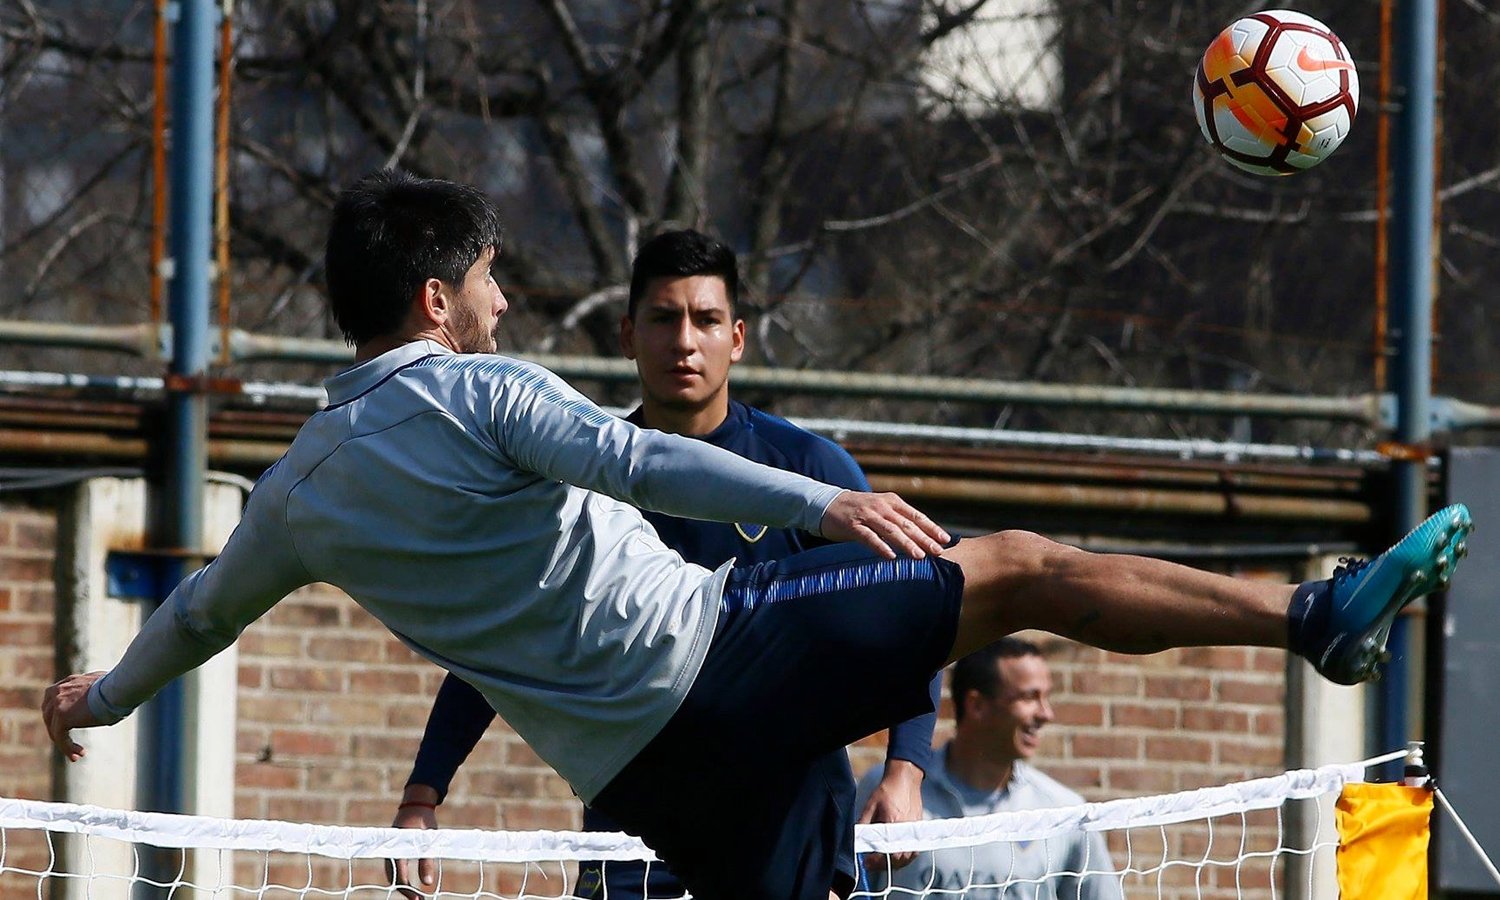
(1383, 832)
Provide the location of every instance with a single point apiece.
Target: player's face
(1021, 708)
(683, 340)
(476, 308)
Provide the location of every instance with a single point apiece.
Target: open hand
(883, 522)
(415, 812)
(65, 706)
(898, 798)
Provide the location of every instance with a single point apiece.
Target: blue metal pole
(192, 232)
(191, 219)
(1410, 324)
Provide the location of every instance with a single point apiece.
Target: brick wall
(1129, 726)
(331, 711)
(27, 536)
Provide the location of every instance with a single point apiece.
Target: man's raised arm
(202, 616)
(547, 427)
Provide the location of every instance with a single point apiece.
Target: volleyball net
(1265, 838)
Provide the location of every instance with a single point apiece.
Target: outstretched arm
(546, 427)
(203, 615)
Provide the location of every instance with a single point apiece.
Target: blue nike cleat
(1365, 596)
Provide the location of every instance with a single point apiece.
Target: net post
(1415, 773)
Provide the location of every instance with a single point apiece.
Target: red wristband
(422, 803)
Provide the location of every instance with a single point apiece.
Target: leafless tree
(1002, 188)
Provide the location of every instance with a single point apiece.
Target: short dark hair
(680, 254)
(978, 671)
(391, 231)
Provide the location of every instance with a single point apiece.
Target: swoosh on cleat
(1309, 63)
(1369, 576)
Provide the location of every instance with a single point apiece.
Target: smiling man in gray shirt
(1002, 699)
(487, 514)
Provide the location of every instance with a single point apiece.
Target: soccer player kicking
(487, 514)
(682, 328)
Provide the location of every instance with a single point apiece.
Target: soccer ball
(1276, 92)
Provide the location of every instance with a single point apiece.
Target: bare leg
(1016, 580)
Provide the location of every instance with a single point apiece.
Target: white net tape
(1237, 840)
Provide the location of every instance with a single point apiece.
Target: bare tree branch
(609, 262)
(686, 182)
(59, 246)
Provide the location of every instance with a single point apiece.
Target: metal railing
(1370, 410)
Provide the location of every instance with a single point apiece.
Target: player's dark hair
(391, 231)
(979, 671)
(681, 254)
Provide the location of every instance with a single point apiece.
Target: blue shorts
(747, 792)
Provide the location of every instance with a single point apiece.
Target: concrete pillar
(109, 515)
(1325, 724)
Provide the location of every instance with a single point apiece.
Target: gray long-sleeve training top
(484, 511)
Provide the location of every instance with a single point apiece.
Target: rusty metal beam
(918, 488)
